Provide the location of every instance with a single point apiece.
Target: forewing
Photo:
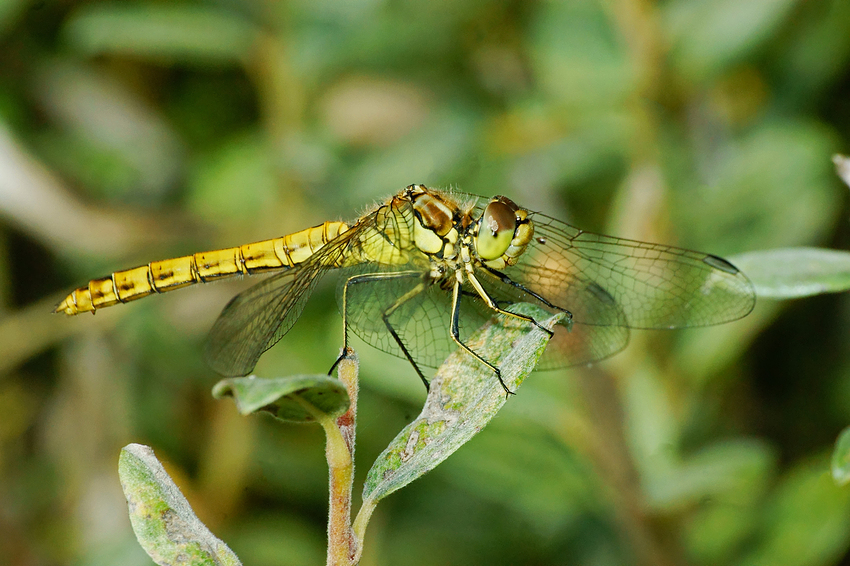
(655, 286)
(256, 319)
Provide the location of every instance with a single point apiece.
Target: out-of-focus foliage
(134, 131)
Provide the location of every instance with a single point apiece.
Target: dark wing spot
(721, 264)
(601, 294)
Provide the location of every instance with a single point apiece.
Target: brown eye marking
(496, 229)
(541, 241)
(507, 202)
(498, 216)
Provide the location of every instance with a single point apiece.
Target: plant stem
(360, 523)
(340, 432)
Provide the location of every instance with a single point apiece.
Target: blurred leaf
(796, 272)
(295, 399)
(551, 152)
(464, 396)
(812, 55)
(733, 471)
(369, 111)
(364, 34)
(842, 167)
(426, 155)
(578, 57)
(102, 170)
(704, 353)
(235, 181)
(806, 522)
(708, 36)
(773, 187)
(162, 519)
(125, 551)
(279, 537)
(162, 32)
(841, 458)
(651, 427)
(109, 134)
(527, 471)
(10, 10)
(716, 532)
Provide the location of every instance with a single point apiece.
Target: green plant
(463, 397)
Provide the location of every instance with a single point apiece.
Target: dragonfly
(425, 268)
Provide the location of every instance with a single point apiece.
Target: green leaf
(709, 36)
(162, 519)
(776, 183)
(464, 396)
(301, 398)
(796, 272)
(805, 522)
(244, 160)
(841, 458)
(842, 167)
(160, 31)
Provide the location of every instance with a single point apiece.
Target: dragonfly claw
(508, 392)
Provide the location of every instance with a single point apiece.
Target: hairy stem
(343, 547)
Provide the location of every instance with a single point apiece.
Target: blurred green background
(137, 131)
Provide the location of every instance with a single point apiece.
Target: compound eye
(495, 230)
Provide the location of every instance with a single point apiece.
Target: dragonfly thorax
(452, 237)
(436, 223)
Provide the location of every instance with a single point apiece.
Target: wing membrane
(655, 286)
(572, 344)
(256, 319)
(422, 320)
(608, 284)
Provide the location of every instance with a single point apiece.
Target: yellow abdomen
(169, 274)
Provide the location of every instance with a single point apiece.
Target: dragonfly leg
(505, 279)
(492, 304)
(385, 316)
(347, 353)
(455, 332)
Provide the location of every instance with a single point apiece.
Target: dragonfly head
(502, 233)
(496, 228)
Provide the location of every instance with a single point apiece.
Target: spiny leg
(505, 279)
(346, 354)
(386, 318)
(455, 332)
(492, 304)
(365, 278)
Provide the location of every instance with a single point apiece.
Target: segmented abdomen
(170, 274)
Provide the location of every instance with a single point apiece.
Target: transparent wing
(418, 313)
(256, 319)
(611, 284)
(654, 286)
(420, 316)
(576, 343)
